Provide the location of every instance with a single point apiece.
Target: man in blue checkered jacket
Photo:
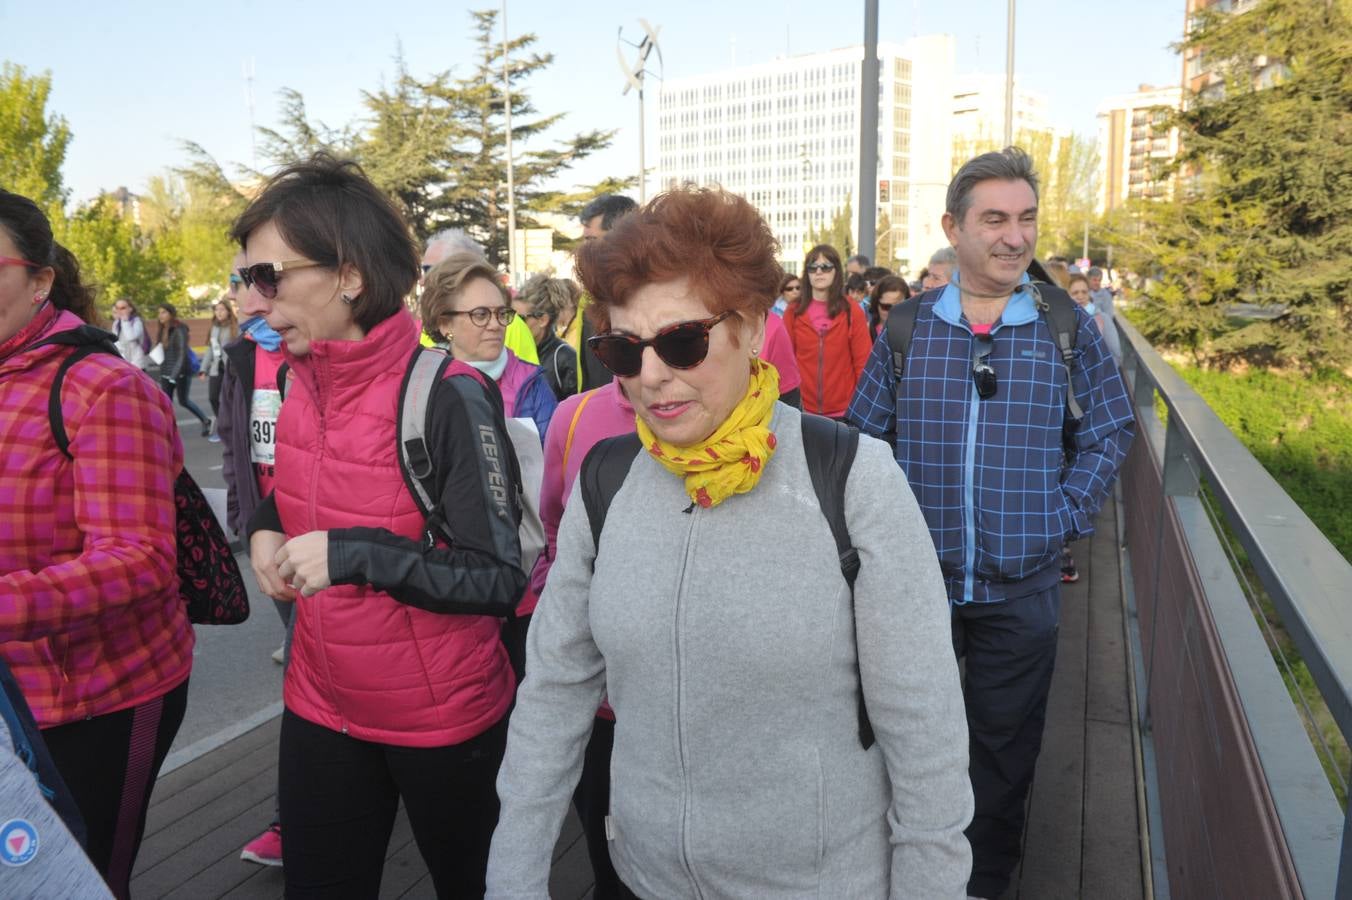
(1004, 473)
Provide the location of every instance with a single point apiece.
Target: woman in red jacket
(830, 335)
(91, 622)
(398, 683)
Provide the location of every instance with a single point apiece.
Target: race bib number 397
(263, 426)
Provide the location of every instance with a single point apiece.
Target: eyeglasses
(795, 289)
(12, 261)
(480, 315)
(821, 267)
(263, 277)
(884, 307)
(681, 346)
(983, 376)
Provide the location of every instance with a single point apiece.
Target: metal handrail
(1307, 579)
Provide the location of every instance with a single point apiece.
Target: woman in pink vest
(398, 684)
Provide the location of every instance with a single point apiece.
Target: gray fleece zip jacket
(725, 641)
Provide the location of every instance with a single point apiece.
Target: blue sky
(136, 78)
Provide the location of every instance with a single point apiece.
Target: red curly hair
(714, 239)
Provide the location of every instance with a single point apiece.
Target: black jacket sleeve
(265, 517)
(480, 572)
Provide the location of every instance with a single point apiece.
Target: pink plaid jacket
(90, 617)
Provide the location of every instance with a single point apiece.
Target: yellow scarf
(731, 459)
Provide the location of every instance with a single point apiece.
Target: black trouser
(181, 385)
(339, 798)
(592, 802)
(214, 394)
(1010, 649)
(110, 763)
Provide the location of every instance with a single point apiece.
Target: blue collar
(1020, 310)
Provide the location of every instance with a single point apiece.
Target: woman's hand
(303, 562)
(264, 548)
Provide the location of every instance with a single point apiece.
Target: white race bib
(263, 426)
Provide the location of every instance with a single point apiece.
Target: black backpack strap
(830, 447)
(87, 340)
(900, 330)
(604, 469)
(1059, 309)
(282, 371)
(426, 367)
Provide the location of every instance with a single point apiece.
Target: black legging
(214, 394)
(340, 795)
(110, 763)
(181, 386)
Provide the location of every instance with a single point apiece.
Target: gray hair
(1095, 272)
(456, 242)
(944, 256)
(550, 295)
(1009, 164)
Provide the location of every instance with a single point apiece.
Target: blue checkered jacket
(1000, 489)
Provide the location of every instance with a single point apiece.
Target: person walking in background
(739, 766)
(887, 293)
(1100, 305)
(790, 289)
(133, 340)
(398, 683)
(540, 303)
(253, 385)
(599, 216)
(830, 336)
(517, 338)
(939, 272)
(1011, 453)
(91, 622)
(224, 328)
(464, 303)
(176, 369)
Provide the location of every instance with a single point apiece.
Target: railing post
(1180, 474)
(1344, 890)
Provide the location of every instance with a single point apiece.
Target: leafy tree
(118, 258)
(191, 225)
(1266, 169)
(32, 143)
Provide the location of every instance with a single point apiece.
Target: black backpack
(829, 446)
(1057, 308)
(209, 580)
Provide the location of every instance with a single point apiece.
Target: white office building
(1135, 145)
(979, 115)
(785, 134)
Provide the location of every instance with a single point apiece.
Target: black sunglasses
(681, 346)
(263, 277)
(983, 376)
(821, 267)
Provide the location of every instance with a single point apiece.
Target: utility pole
(868, 133)
(511, 174)
(248, 69)
(1009, 74)
(634, 78)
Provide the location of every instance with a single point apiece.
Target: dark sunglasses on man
(263, 277)
(681, 346)
(983, 376)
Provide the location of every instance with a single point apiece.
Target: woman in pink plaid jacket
(90, 618)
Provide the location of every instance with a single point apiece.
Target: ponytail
(68, 291)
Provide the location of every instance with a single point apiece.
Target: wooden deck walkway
(1082, 840)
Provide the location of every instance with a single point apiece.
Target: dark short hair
(859, 258)
(610, 207)
(886, 285)
(716, 240)
(876, 273)
(856, 284)
(1009, 164)
(329, 211)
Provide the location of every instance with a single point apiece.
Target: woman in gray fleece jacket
(729, 652)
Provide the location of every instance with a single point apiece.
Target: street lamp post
(868, 132)
(511, 174)
(634, 78)
(1009, 74)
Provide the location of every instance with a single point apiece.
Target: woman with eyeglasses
(91, 623)
(176, 370)
(830, 335)
(541, 303)
(733, 658)
(224, 328)
(398, 683)
(469, 308)
(133, 340)
(887, 293)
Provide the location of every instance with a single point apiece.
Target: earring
(38, 298)
(755, 352)
(347, 298)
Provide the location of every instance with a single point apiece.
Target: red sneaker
(266, 849)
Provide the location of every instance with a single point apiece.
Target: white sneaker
(279, 655)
